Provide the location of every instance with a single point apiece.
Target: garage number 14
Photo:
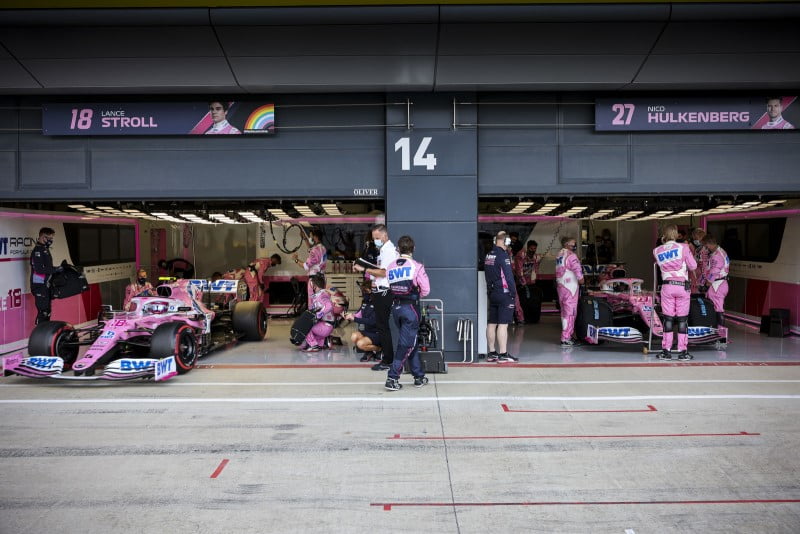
(421, 159)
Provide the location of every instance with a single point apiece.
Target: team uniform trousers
(406, 318)
(318, 334)
(382, 300)
(717, 296)
(675, 302)
(41, 297)
(568, 302)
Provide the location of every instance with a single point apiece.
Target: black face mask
(48, 242)
(141, 281)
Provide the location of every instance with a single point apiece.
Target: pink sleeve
(689, 256)
(128, 296)
(518, 263)
(714, 268)
(574, 265)
(422, 281)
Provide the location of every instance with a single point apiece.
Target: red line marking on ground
(650, 408)
(494, 365)
(387, 506)
(219, 469)
(569, 436)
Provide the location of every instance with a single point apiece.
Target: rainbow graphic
(262, 119)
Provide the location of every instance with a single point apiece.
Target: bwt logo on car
(699, 331)
(616, 332)
(16, 245)
(135, 365)
(215, 286)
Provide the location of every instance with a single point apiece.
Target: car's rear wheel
(54, 338)
(175, 339)
(250, 318)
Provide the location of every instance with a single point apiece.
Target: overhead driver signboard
(656, 114)
(159, 118)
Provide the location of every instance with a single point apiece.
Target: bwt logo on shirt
(400, 273)
(668, 255)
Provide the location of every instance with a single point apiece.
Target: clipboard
(364, 263)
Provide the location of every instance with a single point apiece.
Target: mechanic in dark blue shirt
(41, 270)
(501, 291)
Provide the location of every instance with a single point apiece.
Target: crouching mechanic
(368, 340)
(715, 276)
(569, 276)
(501, 293)
(675, 260)
(408, 282)
(322, 308)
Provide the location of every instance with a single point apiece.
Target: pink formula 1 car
(622, 312)
(159, 337)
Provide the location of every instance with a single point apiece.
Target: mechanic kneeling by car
(322, 308)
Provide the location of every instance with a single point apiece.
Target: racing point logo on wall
(16, 246)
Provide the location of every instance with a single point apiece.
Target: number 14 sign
(421, 157)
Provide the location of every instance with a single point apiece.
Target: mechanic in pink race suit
(569, 276)
(322, 308)
(715, 276)
(675, 261)
(700, 253)
(317, 258)
(139, 287)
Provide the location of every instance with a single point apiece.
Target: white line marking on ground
(441, 381)
(280, 400)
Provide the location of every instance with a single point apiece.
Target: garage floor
(533, 344)
(249, 442)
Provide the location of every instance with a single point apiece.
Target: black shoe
(492, 356)
(684, 355)
(366, 357)
(420, 381)
(506, 358)
(380, 367)
(664, 355)
(393, 385)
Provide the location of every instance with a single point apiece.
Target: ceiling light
(279, 213)
(331, 209)
(304, 210)
(520, 207)
(76, 206)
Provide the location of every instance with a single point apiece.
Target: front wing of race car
(698, 335)
(122, 369)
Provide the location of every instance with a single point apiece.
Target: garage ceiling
(401, 48)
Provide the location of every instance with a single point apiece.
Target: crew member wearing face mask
(317, 258)
(715, 276)
(381, 296)
(41, 269)
(138, 288)
(700, 253)
(675, 261)
(569, 277)
(526, 268)
(501, 292)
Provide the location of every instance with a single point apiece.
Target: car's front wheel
(175, 339)
(54, 338)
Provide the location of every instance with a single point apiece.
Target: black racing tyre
(54, 338)
(175, 339)
(250, 318)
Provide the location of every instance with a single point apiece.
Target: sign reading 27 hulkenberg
(653, 114)
(159, 118)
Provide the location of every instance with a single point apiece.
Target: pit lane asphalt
(483, 448)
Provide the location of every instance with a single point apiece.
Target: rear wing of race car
(217, 286)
